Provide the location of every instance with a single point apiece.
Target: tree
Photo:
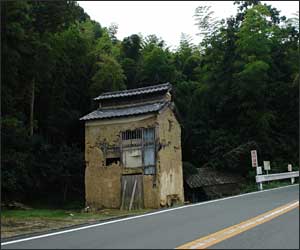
(206, 23)
(112, 31)
(131, 59)
(109, 76)
(254, 47)
(156, 63)
(186, 58)
(236, 90)
(131, 47)
(32, 93)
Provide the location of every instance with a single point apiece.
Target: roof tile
(210, 177)
(132, 92)
(125, 111)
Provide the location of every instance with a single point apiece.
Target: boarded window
(138, 149)
(148, 135)
(149, 151)
(149, 155)
(132, 157)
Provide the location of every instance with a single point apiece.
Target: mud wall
(151, 193)
(103, 183)
(169, 159)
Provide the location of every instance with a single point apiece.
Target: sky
(166, 19)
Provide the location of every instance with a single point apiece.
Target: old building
(133, 150)
(209, 183)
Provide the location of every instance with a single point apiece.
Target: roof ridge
(111, 94)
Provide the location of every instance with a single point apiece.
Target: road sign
(259, 170)
(267, 165)
(254, 158)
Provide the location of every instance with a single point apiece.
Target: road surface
(188, 225)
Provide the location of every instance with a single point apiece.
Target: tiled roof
(125, 111)
(211, 177)
(132, 92)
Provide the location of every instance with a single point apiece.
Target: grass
(66, 214)
(18, 222)
(33, 213)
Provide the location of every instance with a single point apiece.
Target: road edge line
(139, 216)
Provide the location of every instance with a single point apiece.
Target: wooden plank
(140, 193)
(132, 195)
(132, 192)
(128, 191)
(123, 193)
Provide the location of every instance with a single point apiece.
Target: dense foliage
(237, 90)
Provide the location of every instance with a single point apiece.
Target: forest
(236, 91)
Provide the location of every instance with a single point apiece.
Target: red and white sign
(254, 158)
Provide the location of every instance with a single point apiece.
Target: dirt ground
(14, 226)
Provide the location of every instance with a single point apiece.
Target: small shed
(133, 150)
(209, 183)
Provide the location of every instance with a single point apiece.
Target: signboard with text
(267, 165)
(259, 170)
(254, 158)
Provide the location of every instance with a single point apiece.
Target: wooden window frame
(135, 139)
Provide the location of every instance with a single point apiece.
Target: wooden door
(132, 195)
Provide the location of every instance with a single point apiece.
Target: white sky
(166, 19)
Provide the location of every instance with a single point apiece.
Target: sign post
(267, 166)
(259, 172)
(290, 170)
(255, 165)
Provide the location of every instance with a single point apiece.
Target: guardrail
(271, 177)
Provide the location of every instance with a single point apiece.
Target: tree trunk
(32, 107)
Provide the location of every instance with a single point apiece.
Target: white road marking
(138, 216)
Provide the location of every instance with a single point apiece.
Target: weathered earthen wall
(151, 194)
(103, 183)
(170, 159)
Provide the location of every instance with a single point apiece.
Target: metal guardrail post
(292, 180)
(258, 172)
(290, 169)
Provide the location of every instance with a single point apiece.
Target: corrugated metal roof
(125, 111)
(210, 177)
(132, 92)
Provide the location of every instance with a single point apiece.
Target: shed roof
(132, 92)
(210, 177)
(125, 111)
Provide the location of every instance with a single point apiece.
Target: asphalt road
(174, 227)
(279, 233)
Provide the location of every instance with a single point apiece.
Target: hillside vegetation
(236, 91)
